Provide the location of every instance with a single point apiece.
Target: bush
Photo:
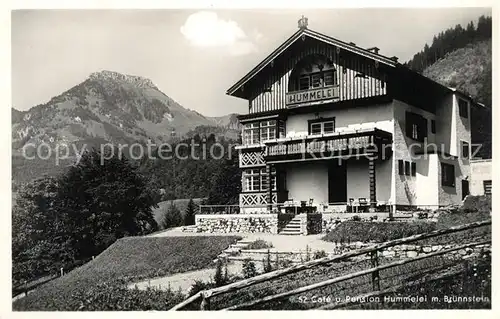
(356, 218)
(116, 297)
(376, 232)
(319, 254)
(267, 262)
(476, 204)
(200, 285)
(285, 263)
(249, 269)
(260, 244)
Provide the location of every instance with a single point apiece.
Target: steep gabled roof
(315, 35)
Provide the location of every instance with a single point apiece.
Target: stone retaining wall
(237, 223)
(400, 251)
(314, 224)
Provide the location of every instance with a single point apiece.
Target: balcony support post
(372, 183)
(269, 188)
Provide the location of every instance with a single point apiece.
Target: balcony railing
(346, 144)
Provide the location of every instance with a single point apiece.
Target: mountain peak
(138, 81)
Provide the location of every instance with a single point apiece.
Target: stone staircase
(189, 229)
(233, 250)
(294, 227)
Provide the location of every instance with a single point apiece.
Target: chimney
(394, 58)
(374, 50)
(303, 22)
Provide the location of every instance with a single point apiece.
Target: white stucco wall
(481, 170)
(427, 181)
(379, 116)
(404, 148)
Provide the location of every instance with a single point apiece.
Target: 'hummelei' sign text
(312, 95)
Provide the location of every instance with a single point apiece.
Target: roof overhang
(314, 35)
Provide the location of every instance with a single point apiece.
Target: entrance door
(465, 188)
(337, 182)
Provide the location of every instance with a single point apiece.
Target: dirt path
(182, 281)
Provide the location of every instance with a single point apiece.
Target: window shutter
(407, 168)
(425, 129)
(408, 124)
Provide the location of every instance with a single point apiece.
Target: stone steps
(190, 229)
(233, 250)
(294, 227)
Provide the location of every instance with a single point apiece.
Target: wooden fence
(207, 295)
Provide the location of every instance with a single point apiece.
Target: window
(281, 129)
(447, 175)
(251, 133)
(407, 168)
(487, 187)
(304, 83)
(433, 126)
(463, 108)
(317, 80)
(401, 167)
(321, 126)
(465, 149)
(264, 177)
(416, 126)
(267, 130)
(255, 180)
(257, 132)
(251, 180)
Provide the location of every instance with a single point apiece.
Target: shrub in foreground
(376, 232)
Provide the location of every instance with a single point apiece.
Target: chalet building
(340, 127)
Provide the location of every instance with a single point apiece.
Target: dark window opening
(413, 169)
(487, 187)
(433, 126)
(401, 167)
(447, 175)
(465, 149)
(416, 126)
(463, 108)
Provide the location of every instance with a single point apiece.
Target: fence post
(62, 271)
(205, 301)
(375, 274)
(25, 288)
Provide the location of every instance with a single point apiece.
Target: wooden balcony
(349, 144)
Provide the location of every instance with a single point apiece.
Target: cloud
(205, 29)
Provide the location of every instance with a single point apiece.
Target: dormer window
(317, 80)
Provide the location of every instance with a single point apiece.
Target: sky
(194, 56)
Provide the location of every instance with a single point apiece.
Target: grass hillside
(126, 260)
(468, 69)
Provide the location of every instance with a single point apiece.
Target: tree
(105, 198)
(40, 238)
(189, 215)
(220, 278)
(171, 216)
(227, 184)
